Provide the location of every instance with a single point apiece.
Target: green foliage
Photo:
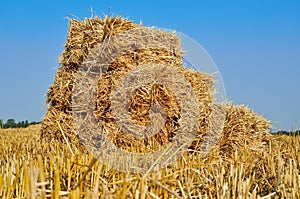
(290, 133)
(11, 123)
(1, 124)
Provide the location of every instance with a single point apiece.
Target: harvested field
(33, 168)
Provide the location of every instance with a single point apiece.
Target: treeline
(292, 133)
(11, 123)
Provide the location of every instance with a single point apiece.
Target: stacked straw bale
(82, 37)
(242, 126)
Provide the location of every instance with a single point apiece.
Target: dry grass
(31, 168)
(85, 37)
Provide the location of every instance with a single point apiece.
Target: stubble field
(33, 168)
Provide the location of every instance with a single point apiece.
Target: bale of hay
(83, 36)
(244, 128)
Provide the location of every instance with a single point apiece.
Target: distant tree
(22, 124)
(34, 123)
(1, 124)
(10, 123)
(282, 132)
(290, 133)
(26, 124)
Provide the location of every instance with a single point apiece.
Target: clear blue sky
(256, 45)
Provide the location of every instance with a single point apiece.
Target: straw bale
(83, 35)
(140, 104)
(242, 126)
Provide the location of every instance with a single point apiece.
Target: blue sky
(255, 44)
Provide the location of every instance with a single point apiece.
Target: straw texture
(242, 126)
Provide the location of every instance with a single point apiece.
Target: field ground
(31, 168)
